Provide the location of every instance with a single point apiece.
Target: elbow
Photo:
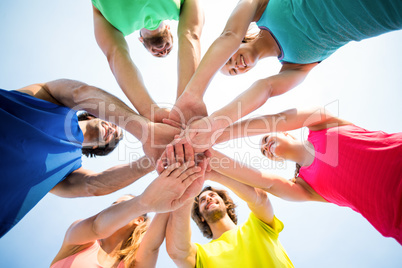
(82, 93)
(232, 36)
(261, 197)
(97, 228)
(192, 36)
(115, 52)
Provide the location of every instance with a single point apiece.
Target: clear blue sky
(45, 40)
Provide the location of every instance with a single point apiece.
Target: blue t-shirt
(310, 31)
(40, 144)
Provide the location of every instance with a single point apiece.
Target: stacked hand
(187, 108)
(172, 187)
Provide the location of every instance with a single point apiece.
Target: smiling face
(99, 133)
(158, 42)
(211, 206)
(243, 60)
(277, 146)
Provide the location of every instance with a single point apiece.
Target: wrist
(145, 205)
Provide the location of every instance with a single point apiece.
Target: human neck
(303, 153)
(147, 33)
(83, 126)
(112, 244)
(266, 45)
(223, 225)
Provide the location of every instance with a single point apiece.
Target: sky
(45, 40)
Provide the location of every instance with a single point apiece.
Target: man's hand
(201, 134)
(168, 191)
(158, 114)
(157, 137)
(187, 109)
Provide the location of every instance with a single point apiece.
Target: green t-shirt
(253, 244)
(128, 16)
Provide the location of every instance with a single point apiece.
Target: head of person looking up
(100, 137)
(211, 206)
(253, 48)
(158, 42)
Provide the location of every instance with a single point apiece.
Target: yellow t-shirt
(253, 244)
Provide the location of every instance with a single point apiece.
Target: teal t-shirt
(128, 16)
(310, 31)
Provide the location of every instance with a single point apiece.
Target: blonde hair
(131, 245)
(253, 33)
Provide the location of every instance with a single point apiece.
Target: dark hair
(157, 40)
(100, 150)
(297, 170)
(196, 215)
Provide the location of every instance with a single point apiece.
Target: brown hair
(100, 150)
(157, 40)
(196, 215)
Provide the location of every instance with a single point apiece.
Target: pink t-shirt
(87, 258)
(362, 170)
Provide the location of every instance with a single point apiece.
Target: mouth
(243, 61)
(209, 205)
(271, 149)
(105, 136)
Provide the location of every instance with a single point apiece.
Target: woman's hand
(168, 191)
(187, 109)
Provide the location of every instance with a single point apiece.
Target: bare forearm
(147, 253)
(88, 183)
(116, 178)
(244, 104)
(115, 217)
(188, 59)
(130, 81)
(271, 183)
(178, 237)
(245, 192)
(216, 56)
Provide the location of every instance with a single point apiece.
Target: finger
(193, 187)
(171, 168)
(179, 153)
(170, 154)
(159, 166)
(188, 152)
(188, 172)
(173, 123)
(177, 172)
(208, 153)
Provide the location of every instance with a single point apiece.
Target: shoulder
(273, 229)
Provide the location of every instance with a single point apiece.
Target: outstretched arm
(80, 96)
(83, 182)
(204, 132)
(295, 190)
(315, 119)
(148, 251)
(162, 195)
(178, 237)
(217, 55)
(114, 46)
(189, 33)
